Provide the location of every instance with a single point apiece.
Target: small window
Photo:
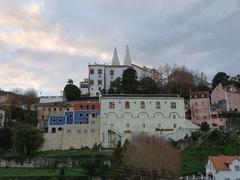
(60, 120)
(203, 96)
(54, 120)
(111, 105)
(142, 105)
(87, 107)
(93, 115)
(237, 168)
(54, 109)
(99, 71)
(42, 116)
(91, 71)
(49, 109)
(67, 109)
(91, 82)
(93, 107)
(92, 130)
(174, 125)
(79, 131)
(204, 117)
(68, 130)
(60, 109)
(53, 130)
(80, 114)
(43, 109)
(143, 125)
(99, 82)
(173, 105)
(111, 72)
(127, 125)
(158, 105)
(127, 105)
(85, 130)
(174, 116)
(111, 125)
(87, 115)
(92, 122)
(59, 129)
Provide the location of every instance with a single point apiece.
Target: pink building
(202, 111)
(228, 98)
(200, 107)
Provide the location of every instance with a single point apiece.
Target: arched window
(158, 105)
(142, 105)
(54, 130)
(59, 129)
(127, 105)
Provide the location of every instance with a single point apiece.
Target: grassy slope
(195, 158)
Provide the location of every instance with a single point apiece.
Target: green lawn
(64, 153)
(73, 153)
(39, 172)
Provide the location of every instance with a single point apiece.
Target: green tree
(116, 86)
(5, 139)
(95, 165)
(221, 77)
(71, 91)
(148, 86)
(70, 81)
(27, 139)
(204, 127)
(236, 80)
(129, 81)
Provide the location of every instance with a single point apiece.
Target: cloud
(43, 43)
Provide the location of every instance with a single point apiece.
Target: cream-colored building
(44, 110)
(122, 116)
(73, 136)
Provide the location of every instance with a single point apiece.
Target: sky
(43, 43)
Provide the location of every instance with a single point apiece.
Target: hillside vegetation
(195, 158)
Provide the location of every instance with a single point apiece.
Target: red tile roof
(221, 162)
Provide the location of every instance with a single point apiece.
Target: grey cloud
(201, 34)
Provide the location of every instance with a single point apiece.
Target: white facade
(230, 172)
(84, 86)
(2, 117)
(122, 116)
(101, 75)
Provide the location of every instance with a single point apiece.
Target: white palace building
(101, 75)
(123, 116)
